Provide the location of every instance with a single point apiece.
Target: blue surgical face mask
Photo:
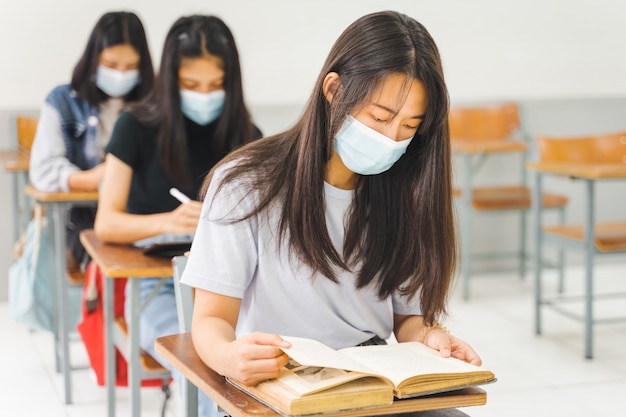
(202, 108)
(365, 151)
(116, 83)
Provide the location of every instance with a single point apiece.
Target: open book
(320, 379)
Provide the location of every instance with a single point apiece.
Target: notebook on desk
(167, 249)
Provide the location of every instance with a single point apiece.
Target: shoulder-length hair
(195, 36)
(113, 28)
(400, 231)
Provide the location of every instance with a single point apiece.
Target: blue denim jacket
(79, 126)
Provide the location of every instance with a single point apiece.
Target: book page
(313, 353)
(400, 361)
(314, 367)
(303, 380)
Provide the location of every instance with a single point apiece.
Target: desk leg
(109, 344)
(589, 259)
(21, 204)
(537, 253)
(466, 225)
(190, 398)
(56, 296)
(134, 362)
(58, 221)
(25, 203)
(17, 208)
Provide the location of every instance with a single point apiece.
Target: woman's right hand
(256, 357)
(249, 359)
(184, 219)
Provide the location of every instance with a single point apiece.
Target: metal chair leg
(561, 256)
(536, 208)
(466, 225)
(522, 243)
(589, 252)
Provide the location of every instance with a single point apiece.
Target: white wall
(490, 48)
(544, 52)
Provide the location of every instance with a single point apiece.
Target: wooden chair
(589, 159)
(150, 366)
(16, 160)
(26, 128)
(478, 133)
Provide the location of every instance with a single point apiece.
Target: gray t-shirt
(279, 293)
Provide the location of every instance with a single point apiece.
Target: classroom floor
(537, 376)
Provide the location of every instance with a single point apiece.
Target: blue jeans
(159, 318)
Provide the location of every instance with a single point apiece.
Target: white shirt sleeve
(49, 168)
(223, 256)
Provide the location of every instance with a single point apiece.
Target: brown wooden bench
(510, 198)
(148, 363)
(609, 237)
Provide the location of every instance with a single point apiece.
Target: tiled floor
(537, 376)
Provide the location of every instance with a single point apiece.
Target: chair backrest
(488, 123)
(183, 294)
(596, 149)
(26, 129)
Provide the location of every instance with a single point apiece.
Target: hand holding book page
(412, 368)
(318, 379)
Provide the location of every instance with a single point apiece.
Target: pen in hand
(178, 195)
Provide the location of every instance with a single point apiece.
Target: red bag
(91, 328)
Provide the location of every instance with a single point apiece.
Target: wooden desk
(490, 199)
(589, 237)
(179, 351)
(57, 204)
(125, 261)
(17, 162)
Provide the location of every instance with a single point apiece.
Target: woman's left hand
(448, 345)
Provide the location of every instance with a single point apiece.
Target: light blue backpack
(30, 280)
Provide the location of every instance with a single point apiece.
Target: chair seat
(509, 198)
(609, 237)
(148, 363)
(76, 277)
(487, 146)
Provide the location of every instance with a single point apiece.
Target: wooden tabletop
(588, 171)
(179, 351)
(124, 261)
(15, 160)
(61, 196)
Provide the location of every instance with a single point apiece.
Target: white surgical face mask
(116, 83)
(364, 150)
(202, 108)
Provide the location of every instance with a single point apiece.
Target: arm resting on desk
(115, 225)
(49, 167)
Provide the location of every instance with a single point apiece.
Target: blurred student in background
(195, 115)
(76, 119)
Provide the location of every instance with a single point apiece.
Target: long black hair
(113, 28)
(400, 234)
(195, 37)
